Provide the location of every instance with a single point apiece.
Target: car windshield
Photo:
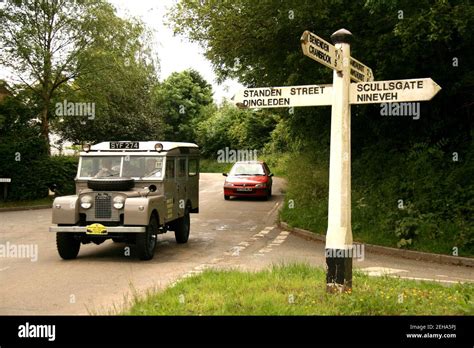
(125, 166)
(247, 169)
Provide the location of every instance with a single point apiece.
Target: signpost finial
(341, 36)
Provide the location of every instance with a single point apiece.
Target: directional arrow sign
(320, 50)
(360, 72)
(393, 91)
(281, 97)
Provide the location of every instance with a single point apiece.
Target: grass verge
(299, 289)
(28, 203)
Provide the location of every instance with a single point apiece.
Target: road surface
(236, 233)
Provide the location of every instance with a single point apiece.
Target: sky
(175, 53)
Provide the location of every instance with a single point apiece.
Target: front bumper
(253, 192)
(110, 229)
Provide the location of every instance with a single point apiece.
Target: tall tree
(121, 88)
(43, 42)
(181, 100)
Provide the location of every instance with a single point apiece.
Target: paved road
(236, 233)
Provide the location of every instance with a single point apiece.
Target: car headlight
(86, 202)
(261, 185)
(119, 202)
(228, 184)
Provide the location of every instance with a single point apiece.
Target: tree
(182, 100)
(258, 43)
(121, 89)
(46, 44)
(238, 129)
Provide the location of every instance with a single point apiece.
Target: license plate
(120, 145)
(245, 189)
(96, 229)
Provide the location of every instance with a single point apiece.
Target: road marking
(392, 272)
(380, 271)
(275, 242)
(273, 209)
(437, 280)
(235, 250)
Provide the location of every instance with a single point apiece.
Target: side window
(192, 167)
(182, 167)
(170, 167)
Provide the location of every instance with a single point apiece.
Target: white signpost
(340, 95)
(270, 97)
(320, 50)
(360, 72)
(393, 91)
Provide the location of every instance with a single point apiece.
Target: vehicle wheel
(183, 225)
(226, 197)
(68, 246)
(146, 242)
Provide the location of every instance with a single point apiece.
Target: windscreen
(247, 169)
(124, 166)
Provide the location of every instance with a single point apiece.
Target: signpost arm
(339, 233)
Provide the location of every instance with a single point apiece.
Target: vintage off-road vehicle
(130, 192)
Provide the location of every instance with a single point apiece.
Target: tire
(68, 247)
(146, 242)
(111, 184)
(183, 226)
(226, 197)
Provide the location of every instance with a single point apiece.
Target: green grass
(271, 292)
(29, 203)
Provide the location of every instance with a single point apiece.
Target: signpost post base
(339, 271)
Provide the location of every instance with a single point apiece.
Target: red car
(250, 179)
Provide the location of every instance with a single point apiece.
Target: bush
(31, 179)
(417, 199)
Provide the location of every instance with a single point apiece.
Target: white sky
(175, 53)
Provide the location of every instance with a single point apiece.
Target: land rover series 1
(130, 192)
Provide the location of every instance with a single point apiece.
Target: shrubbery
(418, 200)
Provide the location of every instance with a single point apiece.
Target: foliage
(235, 128)
(23, 153)
(182, 100)
(46, 44)
(121, 86)
(393, 158)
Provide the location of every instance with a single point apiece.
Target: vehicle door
(171, 193)
(181, 183)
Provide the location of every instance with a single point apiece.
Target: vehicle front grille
(103, 206)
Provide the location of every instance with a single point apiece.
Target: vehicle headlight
(119, 202)
(228, 184)
(86, 202)
(261, 185)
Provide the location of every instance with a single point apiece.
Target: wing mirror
(225, 174)
(270, 175)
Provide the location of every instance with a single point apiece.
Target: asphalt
(240, 233)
